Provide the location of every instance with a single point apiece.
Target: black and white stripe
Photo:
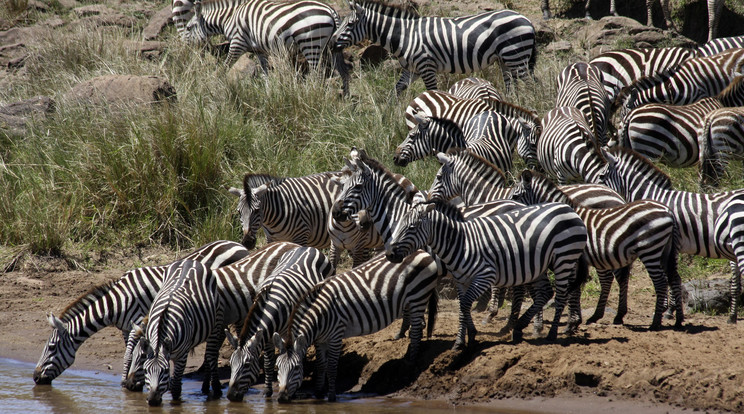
(580, 86)
(116, 303)
(427, 45)
(475, 88)
(721, 140)
(296, 274)
(617, 236)
(722, 44)
(359, 302)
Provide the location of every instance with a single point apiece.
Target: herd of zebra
(676, 105)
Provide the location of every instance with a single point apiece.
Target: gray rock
(123, 89)
(244, 67)
(38, 105)
(708, 295)
(560, 46)
(157, 23)
(150, 50)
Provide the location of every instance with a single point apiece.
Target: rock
(544, 34)
(373, 55)
(69, 4)
(53, 22)
(150, 50)
(36, 4)
(708, 295)
(117, 89)
(157, 23)
(244, 67)
(100, 15)
(649, 36)
(560, 46)
(15, 116)
(92, 10)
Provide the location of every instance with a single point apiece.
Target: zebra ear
(611, 160)
(443, 158)
(300, 344)
(279, 343)
(56, 323)
(233, 341)
(351, 165)
(258, 338)
(429, 207)
(421, 118)
(258, 191)
(234, 191)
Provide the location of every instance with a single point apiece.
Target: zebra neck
(446, 238)
(387, 31)
(217, 14)
(389, 206)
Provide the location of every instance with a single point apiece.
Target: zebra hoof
(458, 346)
(268, 392)
(732, 319)
(517, 337)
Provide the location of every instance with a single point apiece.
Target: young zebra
(509, 249)
(707, 223)
(265, 26)
(693, 80)
(567, 149)
(580, 86)
(722, 44)
(620, 68)
(237, 284)
(296, 274)
(427, 45)
(186, 312)
(617, 236)
(359, 302)
(669, 133)
(721, 139)
(116, 303)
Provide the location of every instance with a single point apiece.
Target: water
(78, 391)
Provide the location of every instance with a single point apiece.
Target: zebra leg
(540, 298)
(405, 324)
(661, 287)
(321, 364)
(406, 78)
(333, 353)
(587, 14)
(129, 342)
(649, 13)
(545, 7)
(535, 287)
(359, 256)
(497, 300)
(613, 10)
(334, 253)
(175, 382)
(735, 290)
(605, 285)
(211, 356)
(269, 374)
(565, 276)
(343, 70)
(417, 330)
(667, 15)
(477, 287)
(623, 277)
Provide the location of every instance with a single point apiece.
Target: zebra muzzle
(40, 379)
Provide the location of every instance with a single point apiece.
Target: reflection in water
(86, 392)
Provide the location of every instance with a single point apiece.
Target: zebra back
(716, 46)
(580, 86)
(721, 138)
(468, 175)
(475, 88)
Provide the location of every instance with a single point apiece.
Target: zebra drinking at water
(425, 46)
(721, 139)
(116, 303)
(359, 302)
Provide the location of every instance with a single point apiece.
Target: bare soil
(604, 365)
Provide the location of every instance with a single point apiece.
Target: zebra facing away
(116, 303)
(509, 249)
(359, 302)
(296, 274)
(427, 45)
(617, 236)
(709, 224)
(580, 86)
(721, 139)
(265, 26)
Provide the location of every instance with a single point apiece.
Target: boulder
(244, 67)
(560, 46)
(15, 116)
(713, 296)
(150, 50)
(118, 89)
(157, 23)
(100, 15)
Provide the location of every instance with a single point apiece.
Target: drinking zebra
(708, 223)
(265, 26)
(236, 282)
(669, 133)
(116, 303)
(427, 45)
(296, 274)
(359, 302)
(722, 44)
(721, 139)
(580, 86)
(620, 68)
(567, 149)
(642, 230)
(186, 312)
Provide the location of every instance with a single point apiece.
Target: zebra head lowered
(196, 31)
(289, 365)
(58, 355)
(157, 370)
(430, 135)
(244, 364)
(352, 29)
(411, 233)
(135, 379)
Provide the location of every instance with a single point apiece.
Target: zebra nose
(399, 160)
(234, 395)
(249, 241)
(41, 379)
(340, 215)
(153, 400)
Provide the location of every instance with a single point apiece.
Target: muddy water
(78, 391)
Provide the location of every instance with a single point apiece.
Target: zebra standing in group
(617, 236)
(708, 223)
(669, 133)
(237, 283)
(580, 86)
(359, 302)
(721, 139)
(265, 26)
(186, 312)
(427, 45)
(722, 44)
(296, 274)
(116, 303)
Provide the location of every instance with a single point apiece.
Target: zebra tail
(533, 59)
(707, 157)
(582, 274)
(669, 256)
(433, 308)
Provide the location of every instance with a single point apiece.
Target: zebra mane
(732, 90)
(299, 305)
(448, 210)
(399, 11)
(83, 303)
(503, 108)
(646, 166)
(259, 297)
(379, 168)
(536, 175)
(255, 180)
(644, 83)
(476, 162)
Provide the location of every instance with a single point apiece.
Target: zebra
(721, 139)
(714, 15)
(265, 26)
(669, 133)
(580, 86)
(509, 249)
(620, 68)
(359, 302)
(567, 149)
(181, 13)
(186, 312)
(617, 236)
(707, 223)
(298, 271)
(237, 284)
(693, 80)
(722, 44)
(116, 303)
(475, 88)
(427, 45)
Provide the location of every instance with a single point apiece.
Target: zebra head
(157, 370)
(289, 365)
(135, 379)
(411, 233)
(58, 354)
(523, 192)
(250, 211)
(417, 144)
(352, 29)
(195, 31)
(357, 192)
(446, 183)
(244, 364)
(613, 177)
(527, 142)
